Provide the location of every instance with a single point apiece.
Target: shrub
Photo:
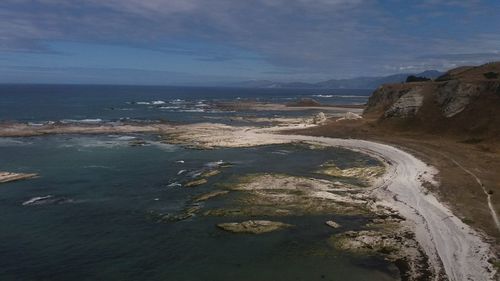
(491, 75)
(413, 78)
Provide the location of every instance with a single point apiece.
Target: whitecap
(177, 101)
(169, 107)
(192, 110)
(157, 102)
(174, 184)
(323, 96)
(125, 138)
(215, 164)
(85, 121)
(36, 199)
(351, 96)
(181, 172)
(35, 124)
(49, 199)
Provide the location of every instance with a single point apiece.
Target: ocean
(94, 209)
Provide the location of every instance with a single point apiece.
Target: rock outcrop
(319, 118)
(350, 116)
(464, 100)
(454, 96)
(407, 104)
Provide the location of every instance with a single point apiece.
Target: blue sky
(200, 42)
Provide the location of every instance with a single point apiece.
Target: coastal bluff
(463, 101)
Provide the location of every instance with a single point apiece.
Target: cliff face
(465, 100)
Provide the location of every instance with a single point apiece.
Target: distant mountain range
(352, 83)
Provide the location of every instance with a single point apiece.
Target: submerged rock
(137, 143)
(210, 173)
(187, 213)
(211, 194)
(196, 183)
(253, 226)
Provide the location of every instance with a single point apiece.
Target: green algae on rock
(284, 195)
(366, 174)
(209, 195)
(196, 183)
(187, 213)
(253, 226)
(210, 173)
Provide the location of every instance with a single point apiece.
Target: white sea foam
(169, 107)
(339, 96)
(192, 110)
(177, 101)
(215, 164)
(323, 96)
(36, 199)
(83, 121)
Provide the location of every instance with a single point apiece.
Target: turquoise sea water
(98, 225)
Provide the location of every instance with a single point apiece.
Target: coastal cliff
(464, 101)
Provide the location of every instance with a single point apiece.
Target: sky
(204, 42)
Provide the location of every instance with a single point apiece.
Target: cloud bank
(340, 38)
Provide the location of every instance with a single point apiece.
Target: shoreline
(450, 244)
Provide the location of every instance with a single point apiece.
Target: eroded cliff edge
(464, 102)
